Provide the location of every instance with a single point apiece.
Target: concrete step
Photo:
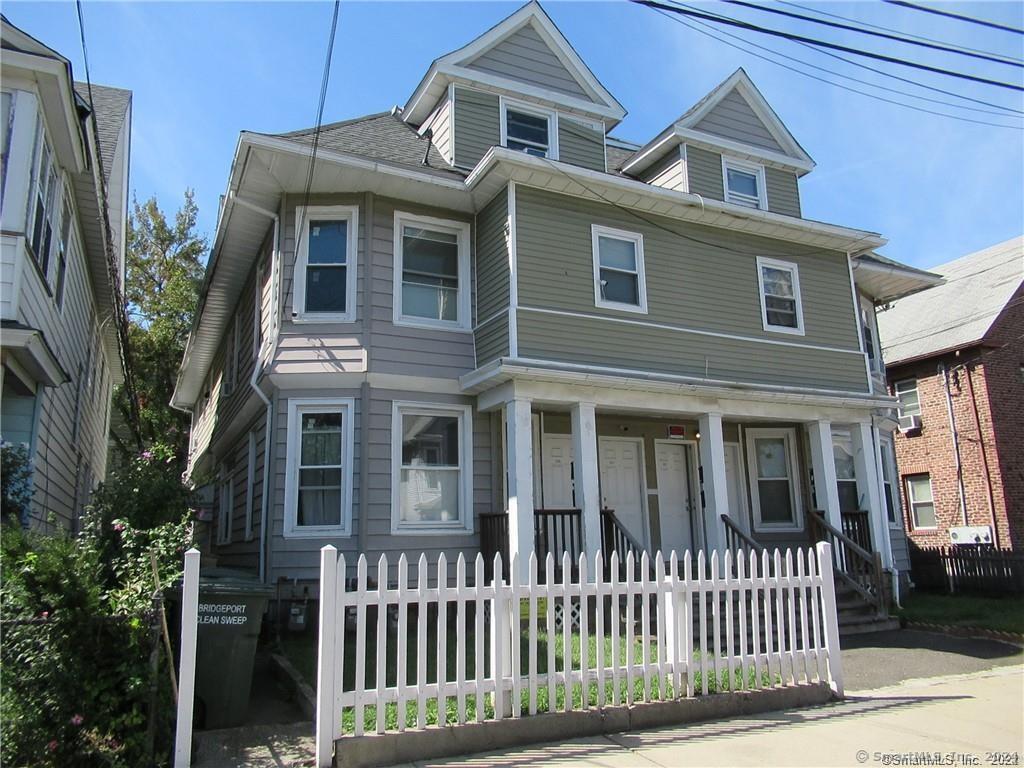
(874, 624)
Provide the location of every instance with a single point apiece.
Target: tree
(164, 270)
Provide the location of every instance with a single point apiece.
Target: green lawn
(302, 653)
(1005, 614)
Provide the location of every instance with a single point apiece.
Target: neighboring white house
(64, 223)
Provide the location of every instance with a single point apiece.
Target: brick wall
(987, 393)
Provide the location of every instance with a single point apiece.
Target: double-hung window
(909, 403)
(318, 477)
(888, 486)
(619, 281)
(325, 264)
(771, 459)
(431, 459)
(44, 203)
(922, 506)
(744, 183)
(529, 129)
(846, 477)
(779, 283)
(62, 254)
(432, 272)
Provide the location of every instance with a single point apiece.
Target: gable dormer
(519, 85)
(730, 146)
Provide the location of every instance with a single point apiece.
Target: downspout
(257, 370)
(956, 442)
(984, 458)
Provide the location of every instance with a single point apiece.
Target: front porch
(657, 476)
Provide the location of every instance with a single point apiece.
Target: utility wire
(835, 46)
(961, 118)
(877, 26)
(957, 16)
(884, 35)
(120, 316)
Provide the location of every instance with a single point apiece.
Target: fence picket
(765, 618)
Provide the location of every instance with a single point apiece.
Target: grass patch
(1003, 614)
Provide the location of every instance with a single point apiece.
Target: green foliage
(164, 271)
(15, 482)
(79, 631)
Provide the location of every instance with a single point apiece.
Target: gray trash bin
(231, 607)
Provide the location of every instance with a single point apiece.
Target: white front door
(557, 464)
(673, 498)
(622, 485)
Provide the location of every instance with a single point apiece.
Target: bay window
(325, 264)
(432, 272)
(318, 493)
(431, 468)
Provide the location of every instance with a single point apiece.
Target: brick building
(955, 360)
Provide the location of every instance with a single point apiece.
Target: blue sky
(202, 72)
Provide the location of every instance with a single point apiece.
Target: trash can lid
(232, 580)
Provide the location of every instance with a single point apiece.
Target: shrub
(15, 482)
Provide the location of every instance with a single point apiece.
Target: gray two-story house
(491, 326)
(64, 216)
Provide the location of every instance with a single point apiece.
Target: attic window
(529, 130)
(744, 184)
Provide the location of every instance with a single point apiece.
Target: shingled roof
(383, 136)
(111, 107)
(958, 313)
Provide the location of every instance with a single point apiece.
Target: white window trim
(466, 510)
(754, 168)
(296, 407)
(349, 213)
(225, 511)
(789, 435)
(794, 269)
(461, 229)
(250, 485)
(899, 405)
(506, 103)
(911, 502)
(597, 231)
(887, 452)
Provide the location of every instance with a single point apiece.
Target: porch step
(873, 624)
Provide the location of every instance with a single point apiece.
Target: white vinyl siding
(431, 468)
(432, 272)
(922, 505)
(619, 278)
(319, 465)
(744, 184)
(326, 264)
(771, 461)
(781, 307)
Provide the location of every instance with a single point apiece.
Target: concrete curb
(959, 631)
(302, 692)
(452, 741)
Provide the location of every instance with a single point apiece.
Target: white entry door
(622, 486)
(674, 498)
(557, 463)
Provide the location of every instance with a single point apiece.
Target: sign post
(187, 664)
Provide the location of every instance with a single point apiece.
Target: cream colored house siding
(701, 279)
(668, 172)
(440, 122)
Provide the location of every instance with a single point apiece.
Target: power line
(714, 36)
(957, 16)
(876, 26)
(835, 46)
(884, 35)
(120, 316)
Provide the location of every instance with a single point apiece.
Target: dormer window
(529, 129)
(744, 184)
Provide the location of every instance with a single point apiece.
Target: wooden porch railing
(736, 539)
(857, 527)
(557, 531)
(856, 566)
(615, 538)
(493, 539)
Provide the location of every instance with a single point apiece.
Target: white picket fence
(397, 653)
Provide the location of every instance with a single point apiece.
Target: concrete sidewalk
(969, 715)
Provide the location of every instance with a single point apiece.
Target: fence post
(831, 616)
(187, 662)
(328, 626)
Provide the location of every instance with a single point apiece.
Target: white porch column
(588, 498)
(823, 462)
(868, 491)
(716, 492)
(519, 449)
